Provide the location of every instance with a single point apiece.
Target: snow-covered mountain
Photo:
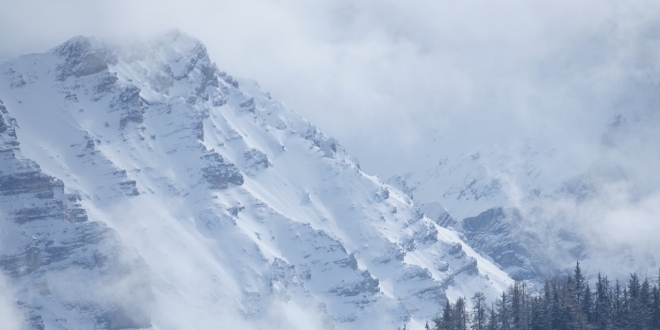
(540, 204)
(142, 187)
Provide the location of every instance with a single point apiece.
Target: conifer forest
(564, 303)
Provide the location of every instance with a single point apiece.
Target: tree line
(564, 303)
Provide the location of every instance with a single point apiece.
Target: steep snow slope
(143, 169)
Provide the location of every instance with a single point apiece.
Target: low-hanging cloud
(381, 75)
(611, 228)
(605, 214)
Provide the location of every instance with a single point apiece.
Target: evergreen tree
(618, 307)
(566, 303)
(445, 321)
(586, 307)
(555, 315)
(479, 317)
(503, 313)
(578, 285)
(645, 301)
(519, 309)
(625, 310)
(602, 312)
(492, 322)
(637, 316)
(562, 307)
(545, 305)
(538, 315)
(460, 316)
(655, 308)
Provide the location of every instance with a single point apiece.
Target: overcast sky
(386, 76)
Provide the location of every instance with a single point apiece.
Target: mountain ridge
(241, 211)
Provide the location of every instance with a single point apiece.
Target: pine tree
(518, 313)
(578, 285)
(586, 307)
(492, 322)
(460, 316)
(538, 315)
(479, 317)
(625, 310)
(546, 305)
(636, 309)
(633, 306)
(655, 308)
(503, 312)
(555, 315)
(562, 306)
(618, 307)
(645, 302)
(602, 312)
(445, 322)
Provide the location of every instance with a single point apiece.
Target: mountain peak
(180, 42)
(76, 44)
(82, 56)
(174, 48)
(176, 34)
(203, 179)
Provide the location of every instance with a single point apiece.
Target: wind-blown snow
(225, 207)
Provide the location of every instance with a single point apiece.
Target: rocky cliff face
(59, 259)
(142, 187)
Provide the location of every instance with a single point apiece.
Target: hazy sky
(383, 77)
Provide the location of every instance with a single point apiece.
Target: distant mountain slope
(538, 206)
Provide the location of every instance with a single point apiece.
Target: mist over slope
(537, 205)
(143, 187)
